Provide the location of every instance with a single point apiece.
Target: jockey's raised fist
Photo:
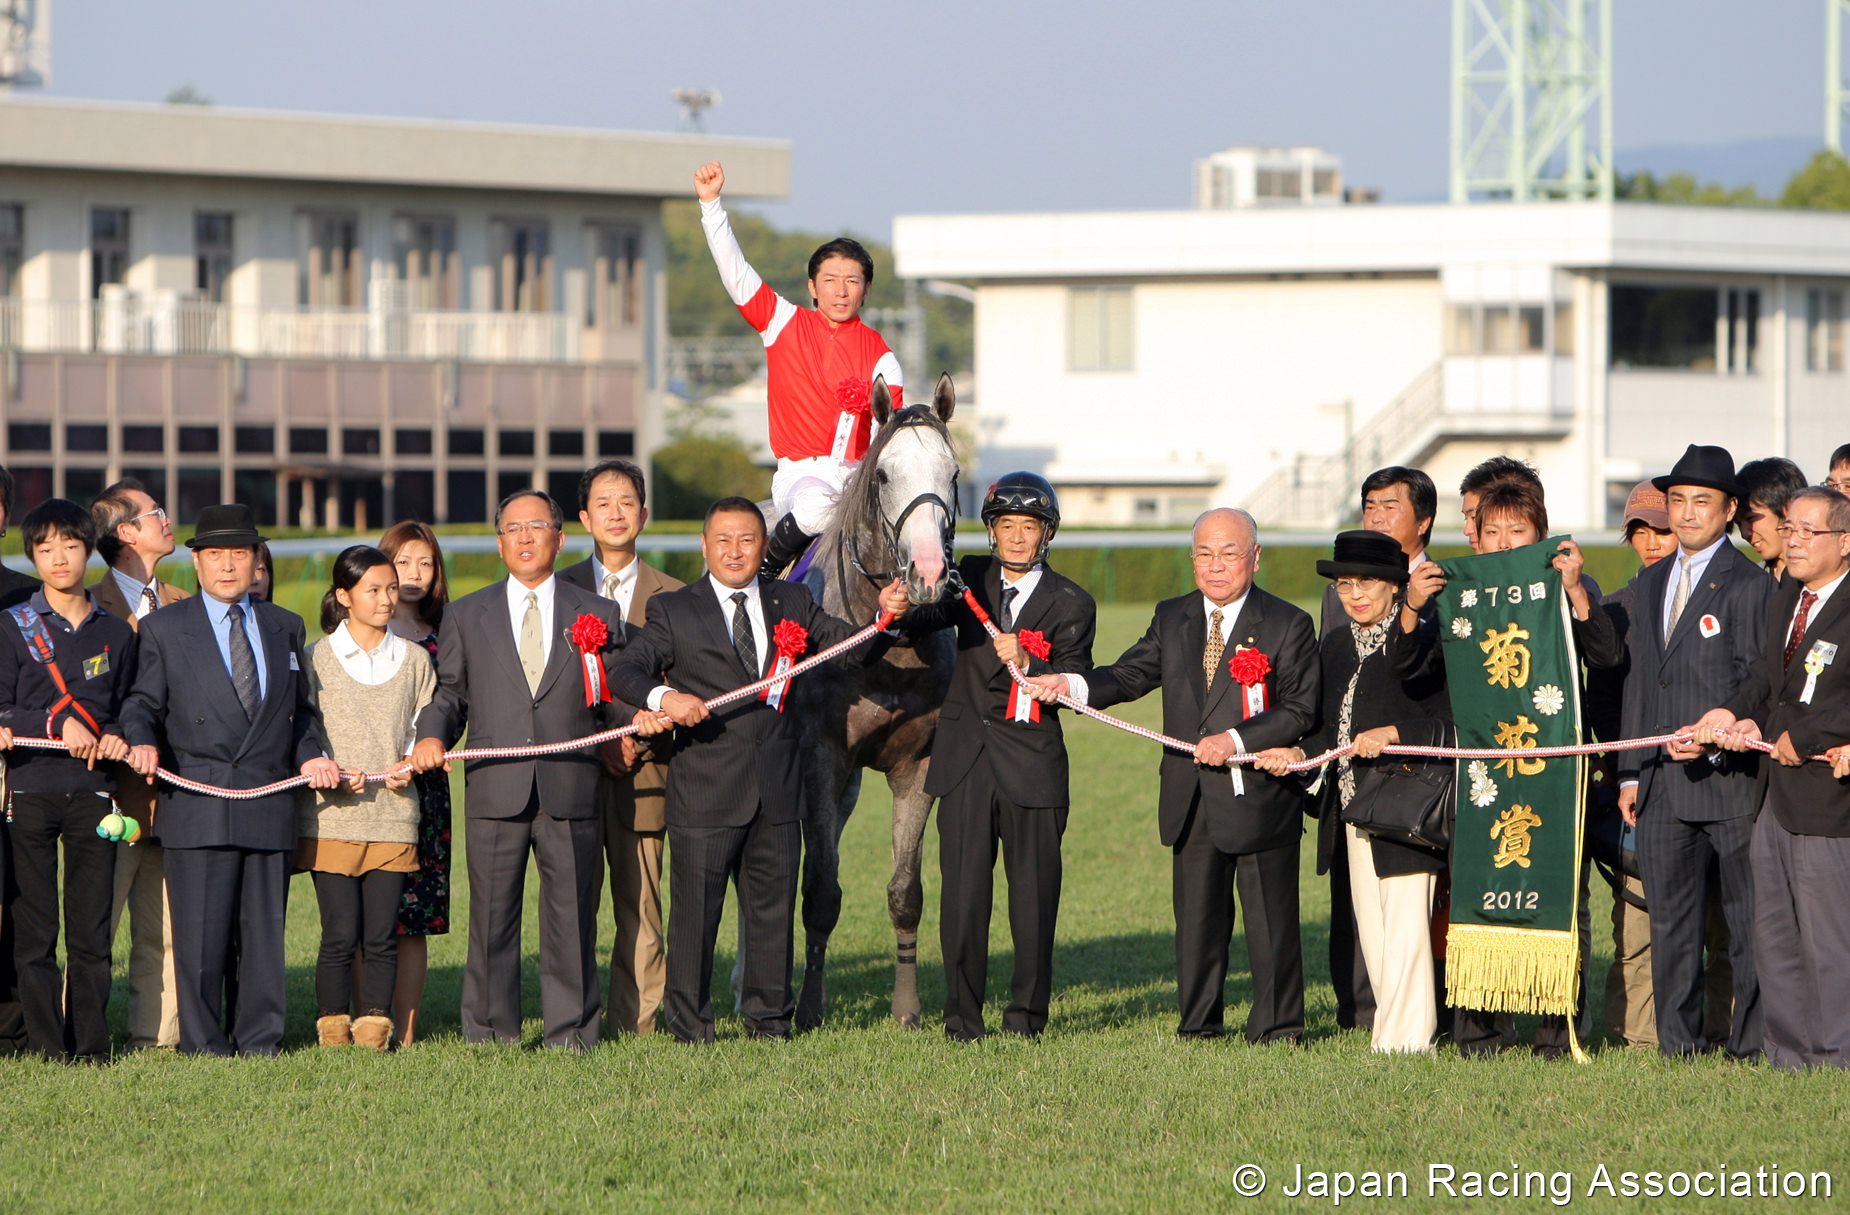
(709, 180)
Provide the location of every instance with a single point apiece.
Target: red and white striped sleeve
(763, 309)
(888, 366)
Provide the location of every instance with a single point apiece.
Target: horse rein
(915, 415)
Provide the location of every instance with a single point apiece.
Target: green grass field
(1108, 1111)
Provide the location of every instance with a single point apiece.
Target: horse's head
(912, 484)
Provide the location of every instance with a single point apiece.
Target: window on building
(565, 442)
(1671, 327)
(414, 495)
(108, 248)
(1324, 183)
(616, 443)
(617, 285)
(144, 438)
(1099, 329)
(255, 488)
(1741, 342)
(468, 441)
(563, 486)
(424, 247)
(1824, 330)
(82, 485)
(85, 437)
(212, 253)
(523, 255)
(12, 248)
(28, 436)
(308, 440)
(254, 440)
(1146, 510)
(328, 260)
(512, 483)
(1531, 329)
(1564, 329)
(31, 486)
(1499, 332)
(196, 440)
(199, 488)
(468, 495)
(1279, 183)
(412, 442)
(153, 479)
(515, 442)
(1461, 329)
(360, 441)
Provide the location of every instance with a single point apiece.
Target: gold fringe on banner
(1517, 970)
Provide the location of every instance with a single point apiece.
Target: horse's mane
(858, 508)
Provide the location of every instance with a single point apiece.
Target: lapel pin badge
(1709, 626)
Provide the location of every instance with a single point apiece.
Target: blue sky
(962, 105)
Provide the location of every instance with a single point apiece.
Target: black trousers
(359, 912)
(570, 855)
(763, 858)
(209, 890)
(42, 821)
(1205, 878)
(973, 820)
(1673, 861)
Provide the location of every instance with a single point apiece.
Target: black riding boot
(787, 542)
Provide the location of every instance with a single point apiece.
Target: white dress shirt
(517, 592)
(624, 592)
(754, 611)
(135, 593)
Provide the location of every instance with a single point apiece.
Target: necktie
(532, 646)
(1806, 599)
(610, 593)
(1217, 645)
(1006, 618)
(243, 664)
(1682, 599)
(743, 639)
(150, 603)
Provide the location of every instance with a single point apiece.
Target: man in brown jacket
(133, 536)
(611, 506)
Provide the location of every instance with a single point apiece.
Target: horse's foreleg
(905, 893)
(822, 895)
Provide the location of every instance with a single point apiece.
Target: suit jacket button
(1663, 683)
(199, 721)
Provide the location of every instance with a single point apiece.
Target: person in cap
(1391, 884)
(1699, 627)
(221, 696)
(999, 765)
(1239, 671)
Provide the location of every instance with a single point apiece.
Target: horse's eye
(880, 476)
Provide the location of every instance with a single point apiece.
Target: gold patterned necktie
(1217, 645)
(1682, 597)
(532, 647)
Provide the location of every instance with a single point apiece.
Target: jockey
(822, 363)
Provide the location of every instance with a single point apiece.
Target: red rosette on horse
(589, 633)
(1023, 707)
(789, 639)
(1249, 667)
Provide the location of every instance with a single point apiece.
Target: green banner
(1505, 629)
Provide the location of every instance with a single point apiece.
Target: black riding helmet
(1023, 493)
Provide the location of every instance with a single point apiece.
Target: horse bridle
(915, 415)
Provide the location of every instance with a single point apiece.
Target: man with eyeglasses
(133, 536)
(1839, 478)
(1798, 696)
(509, 667)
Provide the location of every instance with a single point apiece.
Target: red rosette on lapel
(1023, 707)
(1249, 667)
(589, 633)
(789, 639)
(855, 398)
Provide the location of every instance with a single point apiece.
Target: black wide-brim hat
(227, 526)
(1711, 467)
(1366, 555)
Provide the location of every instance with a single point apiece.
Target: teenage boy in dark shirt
(65, 668)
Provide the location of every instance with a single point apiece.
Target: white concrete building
(333, 319)
(1154, 363)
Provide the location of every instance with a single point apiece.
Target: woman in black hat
(1392, 884)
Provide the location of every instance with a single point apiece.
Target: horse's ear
(944, 398)
(882, 401)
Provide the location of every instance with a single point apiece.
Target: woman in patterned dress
(423, 591)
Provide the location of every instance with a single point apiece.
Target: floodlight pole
(1836, 95)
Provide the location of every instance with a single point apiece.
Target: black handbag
(1406, 800)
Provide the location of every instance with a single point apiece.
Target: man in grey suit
(221, 696)
(1699, 630)
(508, 667)
(612, 507)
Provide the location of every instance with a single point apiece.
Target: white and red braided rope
(534, 751)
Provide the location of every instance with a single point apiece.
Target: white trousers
(808, 489)
(1393, 922)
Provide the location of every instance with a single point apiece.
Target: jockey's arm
(762, 307)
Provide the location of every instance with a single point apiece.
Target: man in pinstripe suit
(1699, 630)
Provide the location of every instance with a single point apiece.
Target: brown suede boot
(334, 1031)
(374, 1031)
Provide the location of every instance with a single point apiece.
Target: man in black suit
(1800, 689)
(735, 795)
(221, 696)
(998, 762)
(508, 667)
(1699, 630)
(1240, 672)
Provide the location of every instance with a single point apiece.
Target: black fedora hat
(227, 526)
(1366, 555)
(1712, 467)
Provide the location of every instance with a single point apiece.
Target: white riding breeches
(808, 489)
